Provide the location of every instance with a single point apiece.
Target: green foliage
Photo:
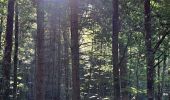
(95, 28)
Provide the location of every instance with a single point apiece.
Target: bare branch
(160, 41)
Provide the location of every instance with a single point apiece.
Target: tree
(75, 50)
(40, 52)
(6, 63)
(123, 70)
(1, 30)
(115, 49)
(16, 52)
(149, 50)
(55, 49)
(88, 65)
(66, 64)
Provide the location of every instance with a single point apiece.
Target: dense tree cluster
(84, 50)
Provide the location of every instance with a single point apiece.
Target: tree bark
(149, 50)
(40, 52)
(6, 63)
(115, 50)
(75, 50)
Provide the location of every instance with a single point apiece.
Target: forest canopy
(84, 50)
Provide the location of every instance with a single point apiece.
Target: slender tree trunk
(75, 50)
(137, 76)
(1, 30)
(130, 72)
(163, 75)
(159, 83)
(15, 53)
(66, 64)
(52, 59)
(123, 71)
(149, 51)
(59, 61)
(90, 69)
(53, 32)
(56, 52)
(40, 52)
(115, 50)
(99, 91)
(6, 63)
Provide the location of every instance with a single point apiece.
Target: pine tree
(15, 52)
(6, 63)
(149, 50)
(40, 93)
(115, 50)
(75, 50)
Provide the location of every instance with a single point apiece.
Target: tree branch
(160, 41)
(158, 63)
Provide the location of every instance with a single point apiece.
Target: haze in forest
(84, 50)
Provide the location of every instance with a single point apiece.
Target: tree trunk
(66, 64)
(149, 50)
(137, 74)
(130, 72)
(91, 60)
(75, 50)
(40, 52)
(15, 53)
(56, 52)
(1, 30)
(6, 63)
(59, 61)
(163, 75)
(115, 50)
(159, 82)
(123, 71)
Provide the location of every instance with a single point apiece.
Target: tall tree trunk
(163, 74)
(56, 52)
(59, 61)
(75, 50)
(1, 30)
(149, 50)
(137, 82)
(137, 74)
(99, 90)
(6, 63)
(15, 53)
(91, 60)
(159, 82)
(115, 50)
(40, 52)
(123, 71)
(66, 64)
(53, 26)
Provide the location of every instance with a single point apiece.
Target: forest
(84, 50)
